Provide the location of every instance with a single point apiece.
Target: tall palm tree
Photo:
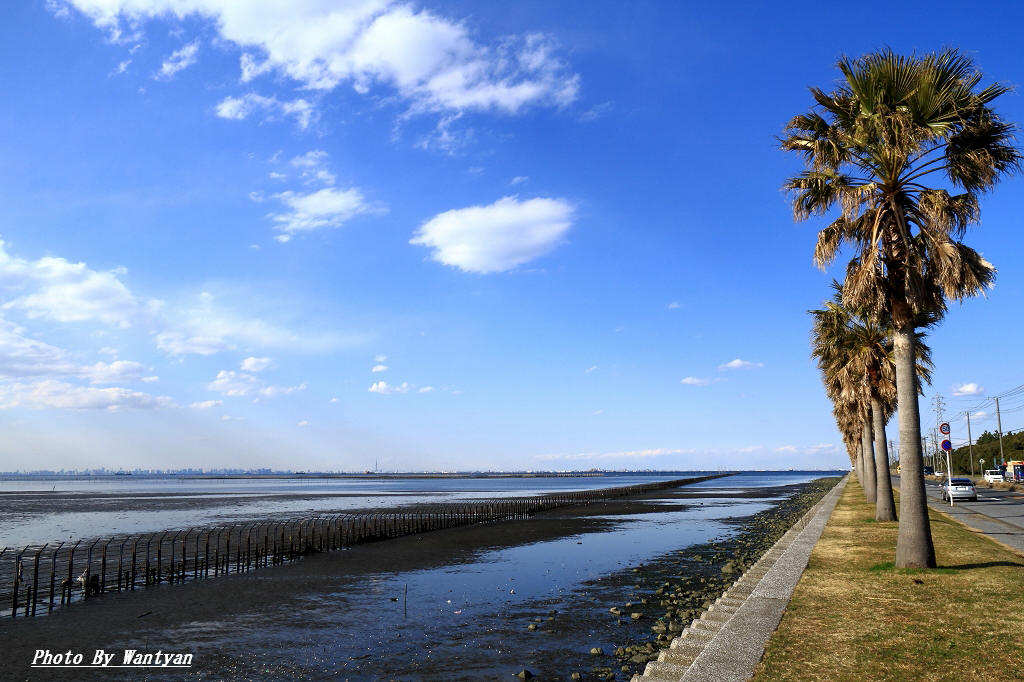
(856, 349)
(892, 124)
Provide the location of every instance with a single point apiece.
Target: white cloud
(149, 380)
(123, 66)
(377, 47)
(785, 448)
(239, 384)
(238, 108)
(61, 395)
(980, 414)
(21, 356)
(208, 328)
(590, 369)
(384, 388)
(207, 404)
(628, 454)
(697, 381)
(673, 305)
(312, 167)
(303, 423)
(740, 364)
(179, 60)
(425, 389)
(497, 237)
(54, 288)
(380, 358)
(117, 371)
(967, 389)
(518, 179)
(255, 364)
(379, 368)
(327, 207)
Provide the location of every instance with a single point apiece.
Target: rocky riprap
(671, 592)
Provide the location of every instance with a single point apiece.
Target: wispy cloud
(255, 364)
(740, 364)
(62, 395)
(627, 454)
(384, 388)
(239, 384)
(238, 108)
(178, 61)
(697, 381)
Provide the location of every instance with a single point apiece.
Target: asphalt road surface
(997, 513)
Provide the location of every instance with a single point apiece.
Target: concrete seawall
(728, 640)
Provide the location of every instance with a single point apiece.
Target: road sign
(946, 445)
(944, 428)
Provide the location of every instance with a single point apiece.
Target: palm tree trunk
(914, 548)
(885, 508)
(869, 463)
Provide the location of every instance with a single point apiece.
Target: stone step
(697, 635)
(707, 625)
(686, 645)
(680, 656)
(670, 671)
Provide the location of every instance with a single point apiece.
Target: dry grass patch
(855, 617)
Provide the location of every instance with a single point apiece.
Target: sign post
(947, 446)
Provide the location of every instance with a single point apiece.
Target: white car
(993, 476)
(959, 489)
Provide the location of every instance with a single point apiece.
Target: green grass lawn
(855, 617)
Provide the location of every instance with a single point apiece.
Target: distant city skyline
(442, 236)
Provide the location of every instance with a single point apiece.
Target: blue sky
(439, 235)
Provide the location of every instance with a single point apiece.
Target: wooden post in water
(16, 584)
(53, 572)
(35, 579)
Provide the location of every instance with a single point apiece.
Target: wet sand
(344, 615)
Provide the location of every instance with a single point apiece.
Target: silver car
(959, 489)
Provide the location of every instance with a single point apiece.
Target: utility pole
(938, 420)
(999, 423)
(970, 445)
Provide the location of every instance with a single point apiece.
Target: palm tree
(892, 124)
(855, 348)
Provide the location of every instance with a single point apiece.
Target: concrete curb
(728, 640)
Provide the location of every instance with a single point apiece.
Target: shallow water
(46, 510)
(468, 620)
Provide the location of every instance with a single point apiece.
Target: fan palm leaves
(898, 155)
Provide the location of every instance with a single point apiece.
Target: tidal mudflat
(474, 603)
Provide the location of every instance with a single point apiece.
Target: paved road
(997, 513)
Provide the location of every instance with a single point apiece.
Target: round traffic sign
(946, 445)
(945, 429)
